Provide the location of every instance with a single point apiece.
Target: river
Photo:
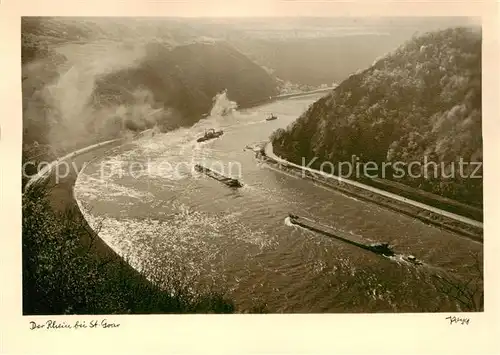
(239, 239)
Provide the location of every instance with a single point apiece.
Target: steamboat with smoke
(210, 134)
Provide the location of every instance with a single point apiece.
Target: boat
(272, 117)
(377, 248)
(412, 259)
(229, 181)
(381, 248)
(210, 134)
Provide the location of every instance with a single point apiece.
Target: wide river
(149, 207)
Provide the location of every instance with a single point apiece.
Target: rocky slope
(421, 103)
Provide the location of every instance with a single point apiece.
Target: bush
(63, 273)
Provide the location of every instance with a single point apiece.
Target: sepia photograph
(251, 165)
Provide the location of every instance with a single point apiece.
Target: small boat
(381, 248)
(272, 117)
(210, 134)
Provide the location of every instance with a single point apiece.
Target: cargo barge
(377, 248)
(229, 181)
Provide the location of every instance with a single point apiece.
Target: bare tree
(469, 294)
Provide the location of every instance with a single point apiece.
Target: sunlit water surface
(239, 239)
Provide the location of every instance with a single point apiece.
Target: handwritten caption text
(79, 324)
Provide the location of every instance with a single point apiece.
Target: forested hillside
(317, 61)
(422, 101)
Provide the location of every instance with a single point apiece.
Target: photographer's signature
(458, 320)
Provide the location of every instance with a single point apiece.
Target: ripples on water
(240, 238)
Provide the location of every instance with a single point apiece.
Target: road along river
(150, 207)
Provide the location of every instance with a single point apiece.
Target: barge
(229, 181)
(377, 248)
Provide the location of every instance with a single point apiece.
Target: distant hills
(316, 51)
(321, 60)
(421, 100)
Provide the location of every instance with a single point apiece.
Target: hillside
(422, 101)
(184, 79)
(83, 83)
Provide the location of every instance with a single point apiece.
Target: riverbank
(428, 214)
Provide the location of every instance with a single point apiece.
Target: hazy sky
(250, 8)
(257, 8)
